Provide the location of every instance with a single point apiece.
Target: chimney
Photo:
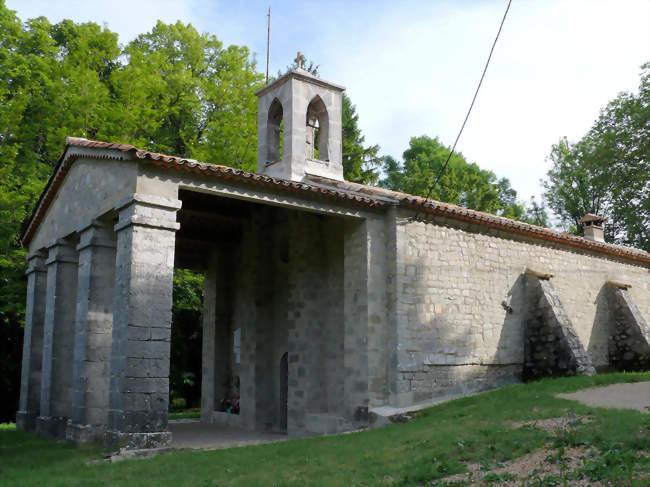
(593, 227)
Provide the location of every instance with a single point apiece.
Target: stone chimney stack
(593, 227)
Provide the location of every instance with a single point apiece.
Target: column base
(83, 434)
(52, 427)
(26, 420)
(117, 441)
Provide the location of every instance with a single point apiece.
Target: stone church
(326, 303)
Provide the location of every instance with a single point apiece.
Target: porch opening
(272, 318)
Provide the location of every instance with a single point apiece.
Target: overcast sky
(411, 67)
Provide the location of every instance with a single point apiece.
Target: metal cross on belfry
(299, 59)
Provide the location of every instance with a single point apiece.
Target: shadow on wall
(600, 332)
(516, 305)
(459, 338)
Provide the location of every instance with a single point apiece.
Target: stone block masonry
(629, 339)
(58, 339)
(139, 383)
(458, 303)
(323, 298)
(30, 384)
(551, 345)
(93, 333)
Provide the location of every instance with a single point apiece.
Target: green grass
(440, 442)
(187, 414)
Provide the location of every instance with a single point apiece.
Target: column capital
(61, 250)
(96, 234)
(148, 211)
(150, 200)
(36, 262)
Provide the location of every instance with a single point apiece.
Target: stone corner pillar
(144, 271)
(93, 333)
(30, 382)
(58, 339)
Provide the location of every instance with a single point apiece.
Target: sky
(411, 67)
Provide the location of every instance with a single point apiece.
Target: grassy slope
(473, 429)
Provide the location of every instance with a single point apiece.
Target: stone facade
(629, 334)
(452, 283)
(551, 344)
(323, 299)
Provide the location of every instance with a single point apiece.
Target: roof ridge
(366, 195)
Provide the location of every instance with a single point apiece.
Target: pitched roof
(316, 187)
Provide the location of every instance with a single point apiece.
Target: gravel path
(634, 395)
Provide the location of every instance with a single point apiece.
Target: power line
(444, 167)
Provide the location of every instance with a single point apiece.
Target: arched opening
(284, 391)
(274, 132)
(317, 130)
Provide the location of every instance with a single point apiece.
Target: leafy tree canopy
(607, 172)
(170, 90)
(183, 93)
(463, 183)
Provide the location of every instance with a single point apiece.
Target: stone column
(93, 333)
(209, 345)
(217, 337)
(139, 383)
(355, 305)
(58, 340)
(30, 382)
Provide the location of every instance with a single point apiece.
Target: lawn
(485, 429)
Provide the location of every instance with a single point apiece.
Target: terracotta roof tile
(344, 191)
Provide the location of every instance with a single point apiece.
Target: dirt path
(634, 395)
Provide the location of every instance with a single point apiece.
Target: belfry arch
(274, 128)
(317, 142)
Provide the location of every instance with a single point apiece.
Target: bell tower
(299, 129)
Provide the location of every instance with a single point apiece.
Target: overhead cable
(444, 167)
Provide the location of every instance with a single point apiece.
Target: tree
(170, 90)
(360, 163)
(183, 93)
(53, 83)
(462, 183)
(607, 172)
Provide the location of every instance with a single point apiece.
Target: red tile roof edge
(65, 161)
(368, 196)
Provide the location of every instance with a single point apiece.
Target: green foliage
(360, 163)
(463, 183)
(169, 90)
(186, 342)
(183, 93)
(52, 84)
(607, 172)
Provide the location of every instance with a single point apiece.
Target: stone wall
(629, 338)
(286, 289)
(459, 302)
(551, 345)
(91, 189)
